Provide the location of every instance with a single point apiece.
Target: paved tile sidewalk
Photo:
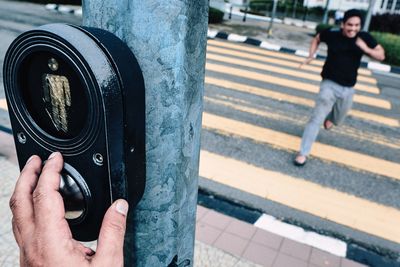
(255, 245)
(9, 253)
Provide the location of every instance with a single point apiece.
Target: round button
(74, 200)
(75, 194)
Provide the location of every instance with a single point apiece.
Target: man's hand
(43, 234)
(305, 62)
(313, 49)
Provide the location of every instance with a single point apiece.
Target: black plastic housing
(98, 125)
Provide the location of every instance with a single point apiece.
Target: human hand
(43, 234)
(305, 62)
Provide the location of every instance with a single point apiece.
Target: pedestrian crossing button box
(80, 91)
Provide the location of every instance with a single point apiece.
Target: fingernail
(122, 207)
(30, 159)
(52, 155)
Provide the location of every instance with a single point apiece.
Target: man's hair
(353, 13)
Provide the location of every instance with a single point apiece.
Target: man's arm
(377, 52)
(312, 50)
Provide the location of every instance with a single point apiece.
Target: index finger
(48, 203)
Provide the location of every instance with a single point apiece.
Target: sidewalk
(220, 240)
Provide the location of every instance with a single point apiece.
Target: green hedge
(215, 15)
(320, 27)
(391, 44)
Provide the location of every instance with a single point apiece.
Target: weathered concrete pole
(168, 37)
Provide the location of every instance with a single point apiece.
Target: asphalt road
(255, 112)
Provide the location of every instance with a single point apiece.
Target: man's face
(351, 27)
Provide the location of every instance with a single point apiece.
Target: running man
(346, 46)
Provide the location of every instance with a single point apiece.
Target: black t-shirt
(344, 56)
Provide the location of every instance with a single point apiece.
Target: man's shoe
(300, 163)
(328, 124)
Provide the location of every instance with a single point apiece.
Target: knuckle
(115, 226)
(38, 195)
(31, 259)
(14, 203)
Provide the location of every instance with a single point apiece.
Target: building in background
(381, 6)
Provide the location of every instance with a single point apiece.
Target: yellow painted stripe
(286, 56)
(295, 100)
(362, 136)
(290, 142)
(366, 100)
(281, 62)
(3, 104)
(265, 52)
(295, 73)
(326, 203)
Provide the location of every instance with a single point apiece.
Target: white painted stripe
(78, 12)
(64, 9)
(212, 33)
(378, 66)
(301, 53)
(236, 38)
(269, 46)
(298, 24)
(51, 6)
(325, 243)
(311, 27)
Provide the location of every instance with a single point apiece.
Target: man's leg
(342, 106)
(323, 106)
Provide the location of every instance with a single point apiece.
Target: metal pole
(245, 10)
(294, 9)
(367, 21)
(271, 22)
(306, 11)
(325, 19)
(169, 40)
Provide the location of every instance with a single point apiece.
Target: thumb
(111, 239)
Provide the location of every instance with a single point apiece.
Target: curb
(341, 248)
(76, 10)
(212, 34)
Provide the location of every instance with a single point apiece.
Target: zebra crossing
(258, 100)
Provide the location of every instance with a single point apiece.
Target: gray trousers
(333, 103)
